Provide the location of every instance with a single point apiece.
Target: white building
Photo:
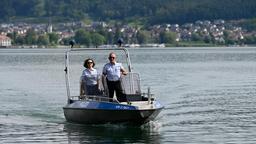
(5, 41)
(49, 28)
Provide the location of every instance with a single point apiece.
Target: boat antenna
(120, 41)
(72, 43)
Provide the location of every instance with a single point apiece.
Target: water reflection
(208, 93)
(111, 133)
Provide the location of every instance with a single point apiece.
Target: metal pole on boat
(120, 42)
(67, 76)
(128, 61)
(67, 71)
(149, 95)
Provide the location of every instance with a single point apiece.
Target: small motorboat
(139, 108)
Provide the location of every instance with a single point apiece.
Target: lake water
(209, 96)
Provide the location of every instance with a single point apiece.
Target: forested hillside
(146, 11)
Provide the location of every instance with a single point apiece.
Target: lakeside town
(97, 34)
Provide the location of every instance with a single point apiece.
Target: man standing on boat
(113, 71)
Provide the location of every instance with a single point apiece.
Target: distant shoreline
(125, 46)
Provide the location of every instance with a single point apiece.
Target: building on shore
(5, 41)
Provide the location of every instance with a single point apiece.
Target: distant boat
(99, 109)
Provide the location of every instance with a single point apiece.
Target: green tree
(65, 41)
(83, 37)
(250, 39)
(142, 11)
(39, 8)
(97, 39)
(167, 37)
(53, 38)
(229, 40)
(196, 37)
(7, 11)
(143, 37)
(31, 37)
(43, 40)
(110, 37)
(207, 39)
(20, 40)
(13, 36)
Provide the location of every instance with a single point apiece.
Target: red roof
(3, 37)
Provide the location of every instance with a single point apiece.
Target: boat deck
(142, 105)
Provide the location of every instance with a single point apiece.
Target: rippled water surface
(209, 96)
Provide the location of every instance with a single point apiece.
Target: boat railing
(94, 98)
(67, 61)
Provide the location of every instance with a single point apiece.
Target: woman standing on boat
(90, 79)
